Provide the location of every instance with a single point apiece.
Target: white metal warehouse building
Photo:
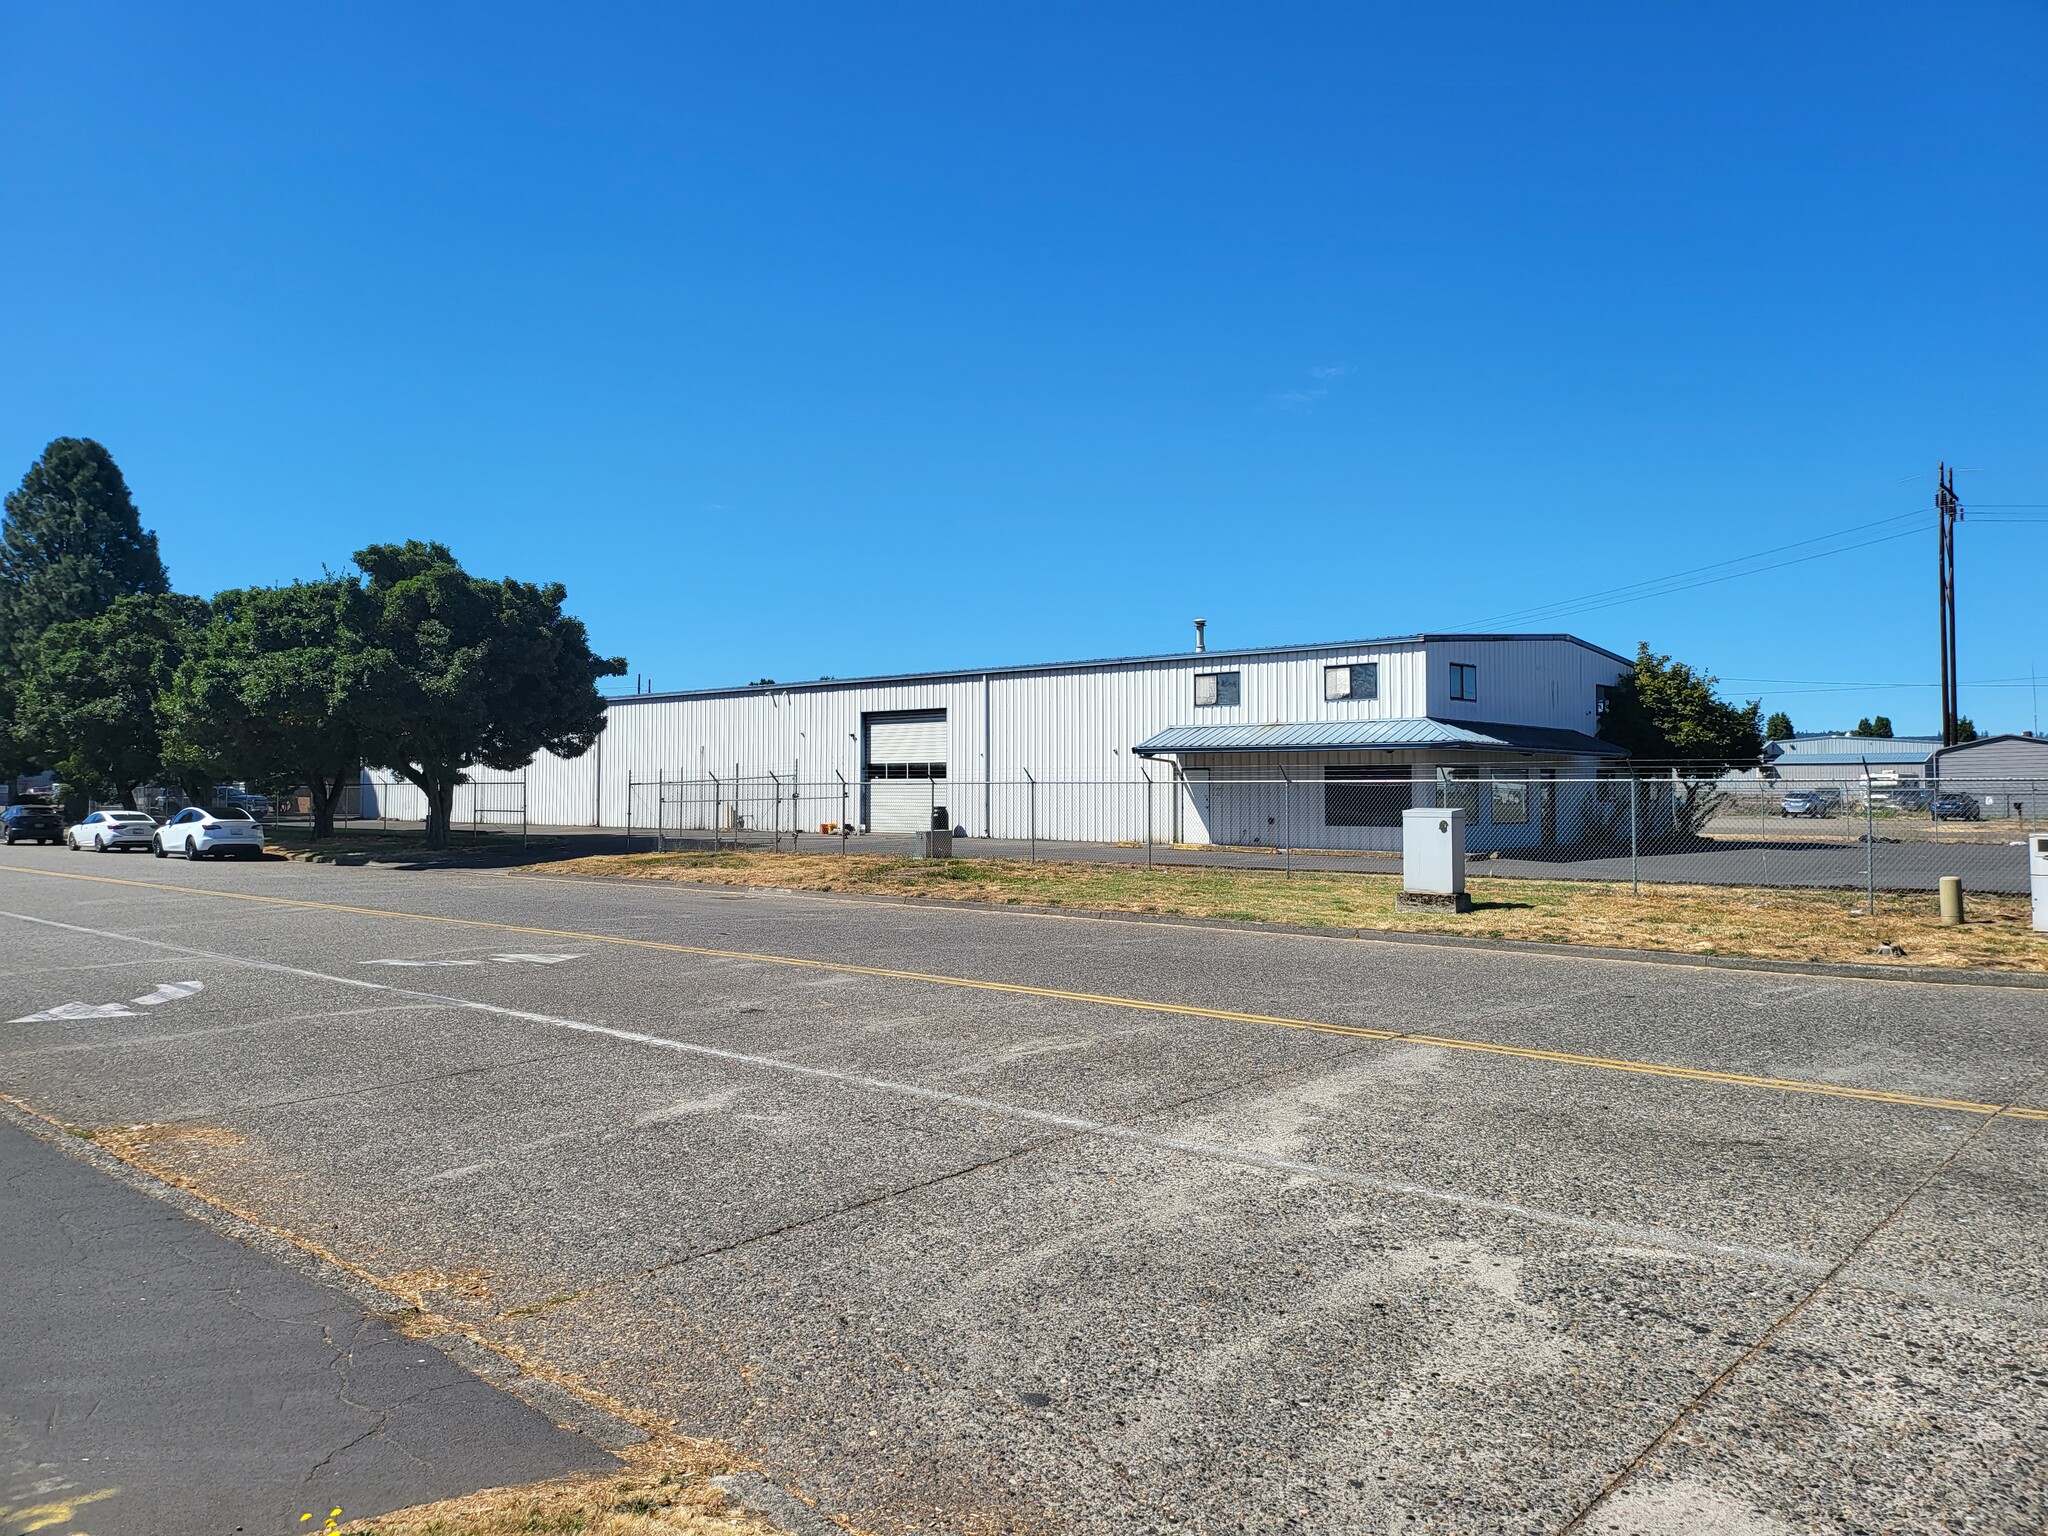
(1317, 745)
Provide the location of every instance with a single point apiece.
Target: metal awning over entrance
(1421, 733)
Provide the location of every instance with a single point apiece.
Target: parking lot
(966, 1220)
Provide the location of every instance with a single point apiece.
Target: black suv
(40, 822)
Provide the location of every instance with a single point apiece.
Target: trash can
(941, 821)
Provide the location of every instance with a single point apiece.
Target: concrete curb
(2023, 980)
(557, 1403)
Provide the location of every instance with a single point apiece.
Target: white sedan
(111, 831)
(226, 833)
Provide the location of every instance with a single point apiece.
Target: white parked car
(111, 832)
(227, 832)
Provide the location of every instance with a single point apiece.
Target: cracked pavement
(163, 1379)
(1125, 1227)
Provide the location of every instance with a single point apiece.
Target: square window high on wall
(1464, 683)
(1216, 688)
(1357, 680)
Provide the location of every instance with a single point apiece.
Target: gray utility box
(1433, 861)
(2037, 876)
(935, 844)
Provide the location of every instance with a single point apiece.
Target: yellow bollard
(1951, 901)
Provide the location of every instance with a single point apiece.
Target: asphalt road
(969, 1220)
(162, 1379)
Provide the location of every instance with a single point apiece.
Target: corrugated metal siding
(1529, 683)
(1077, 723)
(2000, 757)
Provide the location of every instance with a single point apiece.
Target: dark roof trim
(815, 684)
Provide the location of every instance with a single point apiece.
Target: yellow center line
(1100, 999)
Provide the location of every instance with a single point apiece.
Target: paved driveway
(980, 1221)
(162, 1379)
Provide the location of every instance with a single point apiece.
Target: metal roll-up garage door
(905, 769)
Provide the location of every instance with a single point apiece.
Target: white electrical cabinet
(2037, 875)
(1433, 860)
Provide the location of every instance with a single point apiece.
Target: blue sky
(834, 339)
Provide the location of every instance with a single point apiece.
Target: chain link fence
(1850, 834)
(485, 802)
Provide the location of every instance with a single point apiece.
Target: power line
(1562, 610)
(1658, 586)
(1822, 682)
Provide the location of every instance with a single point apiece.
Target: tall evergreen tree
(72, 544)
(1778, 727)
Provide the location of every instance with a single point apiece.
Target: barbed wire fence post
(1635, 857)
(1147, 772)
(1031, 812)
(1287, 819)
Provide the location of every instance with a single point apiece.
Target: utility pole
(1948, 513)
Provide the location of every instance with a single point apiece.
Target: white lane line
(168, 992)
(1599, 1227)
(423, 963)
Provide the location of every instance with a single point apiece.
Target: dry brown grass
(663, 1489)
(1762, 922)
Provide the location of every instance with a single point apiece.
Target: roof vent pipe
(1201, 644)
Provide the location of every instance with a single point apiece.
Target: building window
(1603, 699)
(1359, 680)
(906, 770)
(1510, 799)
(1218, 688)
(1365, 797)
(1464, 683)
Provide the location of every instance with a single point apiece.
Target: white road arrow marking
(533, 959)
(77, 1011)
(423, 962)
(169, 992)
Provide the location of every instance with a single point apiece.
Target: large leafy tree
(1880, 728)
(71, 544)
(470, 672)
(89, 701)
(1778, 727)
(1668, 712)
(276, 688)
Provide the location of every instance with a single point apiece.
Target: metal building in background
(1357, 729)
